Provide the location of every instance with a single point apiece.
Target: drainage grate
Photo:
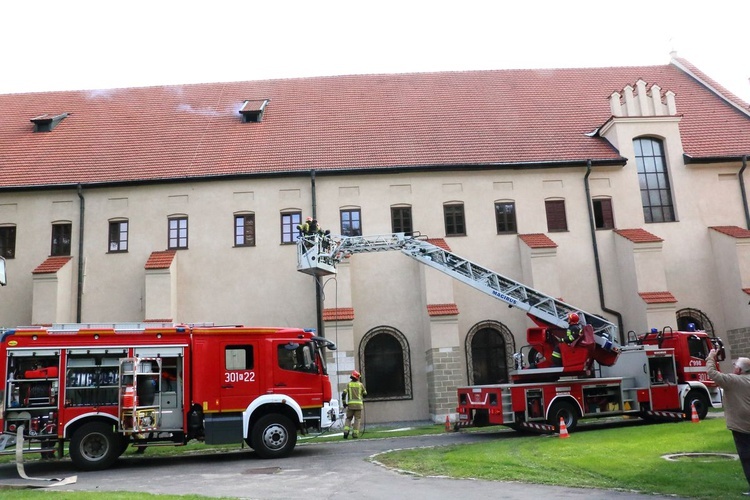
(264, 470)
(700, 457)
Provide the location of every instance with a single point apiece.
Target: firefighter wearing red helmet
(353, 402)
(574, 328)
(571, 334)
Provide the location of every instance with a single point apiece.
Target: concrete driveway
(319, 470)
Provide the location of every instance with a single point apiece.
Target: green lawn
(625, 458)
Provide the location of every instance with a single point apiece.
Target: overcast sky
(81, 44)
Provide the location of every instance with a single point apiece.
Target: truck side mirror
(3, 280)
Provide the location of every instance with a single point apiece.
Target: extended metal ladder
(312, 259)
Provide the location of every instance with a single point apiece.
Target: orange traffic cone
(447, 423)
(694, 417)
(563, 429)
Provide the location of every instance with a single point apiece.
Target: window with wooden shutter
(244, 230)
(556, 220)
(603, 216)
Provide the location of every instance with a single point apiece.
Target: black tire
(566, 411)
(95, 446)
(273, 436)
(700, 400)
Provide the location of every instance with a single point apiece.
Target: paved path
(319, 470)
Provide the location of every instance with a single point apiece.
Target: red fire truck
(100, 388)
(658, 375)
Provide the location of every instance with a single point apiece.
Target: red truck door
(295, 372)
(226, 376)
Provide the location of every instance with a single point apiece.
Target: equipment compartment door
(664, 397)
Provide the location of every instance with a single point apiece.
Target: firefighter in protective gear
(307, 228)
(352, 397)
(574, 329)
(571, 334)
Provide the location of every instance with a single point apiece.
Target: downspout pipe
(744, 193)
(597, 264)
(318, 280)
(82, 210)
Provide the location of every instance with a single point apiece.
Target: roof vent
(46, 122)
(252, 110)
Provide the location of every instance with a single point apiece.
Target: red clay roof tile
(338, 314)
(421, 120)
(439, 242)
(733, 231)
(657, 297)
(51, 265)
(537, 240)
(160, 260)
(638, 235)
(442, 309)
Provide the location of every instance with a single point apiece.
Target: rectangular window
(556, 220)
(656, 194)
(297, 357)
(603, 217)
(401, 220)
(61, 235)
(505, 217)
(244, 230)
(8, 242)
(92, 379)
(178, 233)
(118, 236)
(351, 223)
(239, 357)
(289, 231)
(455, 224)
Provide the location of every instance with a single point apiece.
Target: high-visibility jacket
(572, 334)
(355, 391)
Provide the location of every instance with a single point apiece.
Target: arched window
(656, 195)
(489, 351)
(687, 316)
(384, 361)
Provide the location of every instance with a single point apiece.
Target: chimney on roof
(252, 110)
(46, 122)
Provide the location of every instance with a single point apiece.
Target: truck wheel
(273, 436)
(94, 446)
(566, 411)
(701, 402)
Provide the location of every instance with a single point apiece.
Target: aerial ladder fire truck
(657, 375)
(99, 388)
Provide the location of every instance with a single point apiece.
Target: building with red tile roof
(621, 189)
